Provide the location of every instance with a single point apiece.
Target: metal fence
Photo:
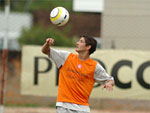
(124, 25)
(21, 17)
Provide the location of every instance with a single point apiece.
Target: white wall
(16, 22)
(88, 5)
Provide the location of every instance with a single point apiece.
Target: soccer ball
(59, 16)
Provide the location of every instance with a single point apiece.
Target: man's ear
(89, 47)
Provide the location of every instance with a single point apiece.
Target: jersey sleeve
(59, 57)
(101, 76)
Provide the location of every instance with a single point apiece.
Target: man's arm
(46, 46)
(103, 78)
(59, 57)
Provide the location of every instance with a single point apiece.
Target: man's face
(81, 45)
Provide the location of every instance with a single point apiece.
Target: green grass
(52, 105)
(22, 105)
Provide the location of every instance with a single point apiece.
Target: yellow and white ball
(59, 16)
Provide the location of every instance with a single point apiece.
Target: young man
(77, 74)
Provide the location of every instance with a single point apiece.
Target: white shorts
(60, 109)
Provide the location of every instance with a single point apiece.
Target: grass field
(53, 110)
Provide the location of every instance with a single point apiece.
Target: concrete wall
(125, 24)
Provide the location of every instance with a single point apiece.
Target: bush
(32, 5)
(50, 4)
(38, 34)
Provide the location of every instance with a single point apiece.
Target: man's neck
(83, 56)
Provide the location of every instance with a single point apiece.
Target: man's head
(86, 43)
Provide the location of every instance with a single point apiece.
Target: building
(125, 24)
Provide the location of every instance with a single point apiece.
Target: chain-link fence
(26, 16)
(21, 16)
(30, 19)
(122, 25)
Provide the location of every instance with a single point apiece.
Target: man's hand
(109, 85)
(46, 47)
(50, 41)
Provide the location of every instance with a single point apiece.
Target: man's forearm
(45, 48)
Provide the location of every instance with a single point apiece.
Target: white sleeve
(100, 75)
(59, 57)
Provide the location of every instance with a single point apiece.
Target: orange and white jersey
(76, 78)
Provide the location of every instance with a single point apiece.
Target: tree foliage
(38, 34)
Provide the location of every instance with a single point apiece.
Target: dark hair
(90, 41)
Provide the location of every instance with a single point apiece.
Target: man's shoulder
(73, 54)
(94, 61)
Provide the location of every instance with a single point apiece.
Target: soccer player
(77, 74)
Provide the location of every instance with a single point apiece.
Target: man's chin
(77, 50)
